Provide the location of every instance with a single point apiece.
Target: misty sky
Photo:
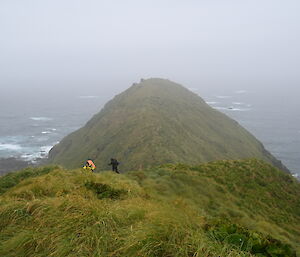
(101, 46)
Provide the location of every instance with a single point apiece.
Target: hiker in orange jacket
(90, 165)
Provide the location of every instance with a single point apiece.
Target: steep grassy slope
(157, 121)
(225, 208)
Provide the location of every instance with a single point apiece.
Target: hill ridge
(158, 121)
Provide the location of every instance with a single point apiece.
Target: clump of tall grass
(11, 179)
(167, 211)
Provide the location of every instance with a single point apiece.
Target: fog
(102, 47)
(62, 60)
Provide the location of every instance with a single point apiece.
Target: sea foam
(223, 96)
(11, 147)
(46, 132)
(41, 118)
(193, 89)
(39, 154)
(211, 102)
(232, 109)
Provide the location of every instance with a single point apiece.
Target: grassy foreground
(224, 208)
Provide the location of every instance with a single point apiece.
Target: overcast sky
(106, 45)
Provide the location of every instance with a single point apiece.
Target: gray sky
(105, 45)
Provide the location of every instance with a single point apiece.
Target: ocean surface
(30, 126)
(271, 116)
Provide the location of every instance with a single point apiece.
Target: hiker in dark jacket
(114, 165)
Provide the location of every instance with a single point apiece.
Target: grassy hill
(223, 208)
(157, 121)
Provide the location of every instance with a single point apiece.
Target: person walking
(114, 165)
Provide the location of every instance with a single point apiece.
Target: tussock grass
(12, 179)
(172, 210)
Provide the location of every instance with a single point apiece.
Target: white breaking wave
(241, 104)
(211, 102)
(10, 147)
(193, 89)
(46, 148)
(46, 132)
(41, 118)
(232, 109)
(223, 96)
(33, 157)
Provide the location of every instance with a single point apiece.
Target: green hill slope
(153, 122)
(224, 208)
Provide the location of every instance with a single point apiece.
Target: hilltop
(223, 208)
(158, 121)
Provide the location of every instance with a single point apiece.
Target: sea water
(272, 117)
(31, 126)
